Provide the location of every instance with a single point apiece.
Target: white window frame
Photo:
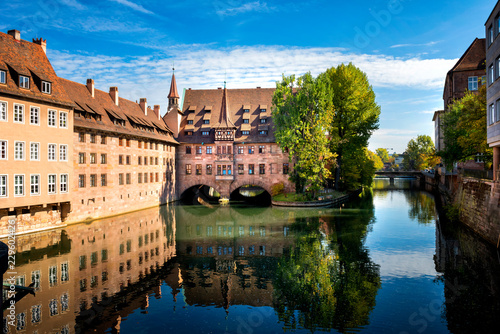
(36, 184)
(3, 77)
(16, 156)
(49, 153)
(4, 185)
(35, 111)
(63, 183)
(52, 112)
(4, 147)
(24, 83)
(4, 115)
(36, 152)
(46, 87)
(64, 272)
(473, 83)
(65, 125)
(17, 185)
(53, 275)
(18, 108)
(51, 184)
(63, 152)
(35, 278)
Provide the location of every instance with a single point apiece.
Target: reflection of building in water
(226, 258)
(78, 269)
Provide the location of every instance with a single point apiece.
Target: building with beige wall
(36, 137)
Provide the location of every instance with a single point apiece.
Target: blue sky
(405, 46)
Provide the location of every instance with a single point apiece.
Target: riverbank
(323, 201)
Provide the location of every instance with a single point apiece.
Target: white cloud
(73, 3)
(415, 45)
(228, 9)
(134, 6)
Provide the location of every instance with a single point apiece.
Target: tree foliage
(464, 129)
(383, 154)
(420, 153)
(301, 117)
(354, 118)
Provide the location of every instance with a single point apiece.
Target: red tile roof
(127, 111)
(173, 88)
(20, 57)
(195, 107)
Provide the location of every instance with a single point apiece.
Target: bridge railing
(478, 174)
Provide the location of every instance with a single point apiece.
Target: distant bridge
(398, 175)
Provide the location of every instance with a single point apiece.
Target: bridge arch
(191, 183)
(240, 183)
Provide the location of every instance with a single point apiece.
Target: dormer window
(24, 82)
(246, 110)
(263, 120)
(206, 121)
(46, 87)
(3, 77)
(262, 110)
(246, 121)
(190, 121)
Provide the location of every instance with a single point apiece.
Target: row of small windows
(124, 142)
(227, 169)
(245, 121)
(221, 149)
(36, 315)
(24, 82)
(122, 159)
(221, 134)
(18, 115)
(34, 151)
(34, 184)
(227, 250)
(493, 30)
(123, 178)
(227, 231)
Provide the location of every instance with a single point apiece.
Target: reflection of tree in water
(329, 277)
(422, 206)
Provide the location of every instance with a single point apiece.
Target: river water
(381, 264)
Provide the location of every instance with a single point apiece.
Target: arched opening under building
(200, 194)
(251, 195)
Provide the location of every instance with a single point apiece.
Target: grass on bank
(293, 197)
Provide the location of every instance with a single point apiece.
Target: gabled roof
(20, 57)
(127, 111)
(473, 58)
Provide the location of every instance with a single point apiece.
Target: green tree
(464, 129)
(301, 120)
(377, 161)
(359, 168)
(355, 114)
(383, 154)
(420, 153)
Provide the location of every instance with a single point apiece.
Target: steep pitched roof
(20, 57)
(224, 118)
(127, 112)
(173, 88)
(473, 58)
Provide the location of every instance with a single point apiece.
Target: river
(383, 263)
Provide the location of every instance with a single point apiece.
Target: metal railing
(478, 174)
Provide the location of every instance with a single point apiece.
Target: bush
(277, 188)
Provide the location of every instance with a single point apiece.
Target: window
(3, 150)
(64, 183)
(63, 152)
(263, 120)
(472, 83)
(263, 132)
(497, 111)
(3, 185)
(81, 158)
(36, 313)
(35, 184)
(209, 149)
(145, 177)
(21, 321)
(64, 273)
(139, 178)
(262, 149)
(120, 179)
(93, 180)
(151, 177)
(46, 87)
(19, 150)
(51, 121)
(127, 159)
(490, 35)
(81, 181)
(103, 139)
(188, 133)
(51, 184)
(241, 169)
(156, 161)
(240, 150)
(151, 160)
(120, 141)
(35, 116)
(18, 113)
(262, 169)
(52, 152)
(81, 137)
(285, 168)
(139, 160)
(120, 159)
(198, 169)
(127, 178)
(145, 160)
(150, 146)
(104, 181)
(250, 169)
(3, 111)
(24, 82)
(250, 149)
(245, 132)
(63, 123)
(35, 151)
(206, 121)
(198, 149)
(246, 121)
(3, 77)
(188, 149)
(491, 114)
(190, 121)
(208, 169)
(491, 74)
(128, 143)
(188, 169)
(103, 159)
(18, 185)
(139, 144)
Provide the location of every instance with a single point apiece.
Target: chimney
(42, 42)
(113, 92)
(143, 102)
(90, 86)
(157, 111)
(16, 34)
